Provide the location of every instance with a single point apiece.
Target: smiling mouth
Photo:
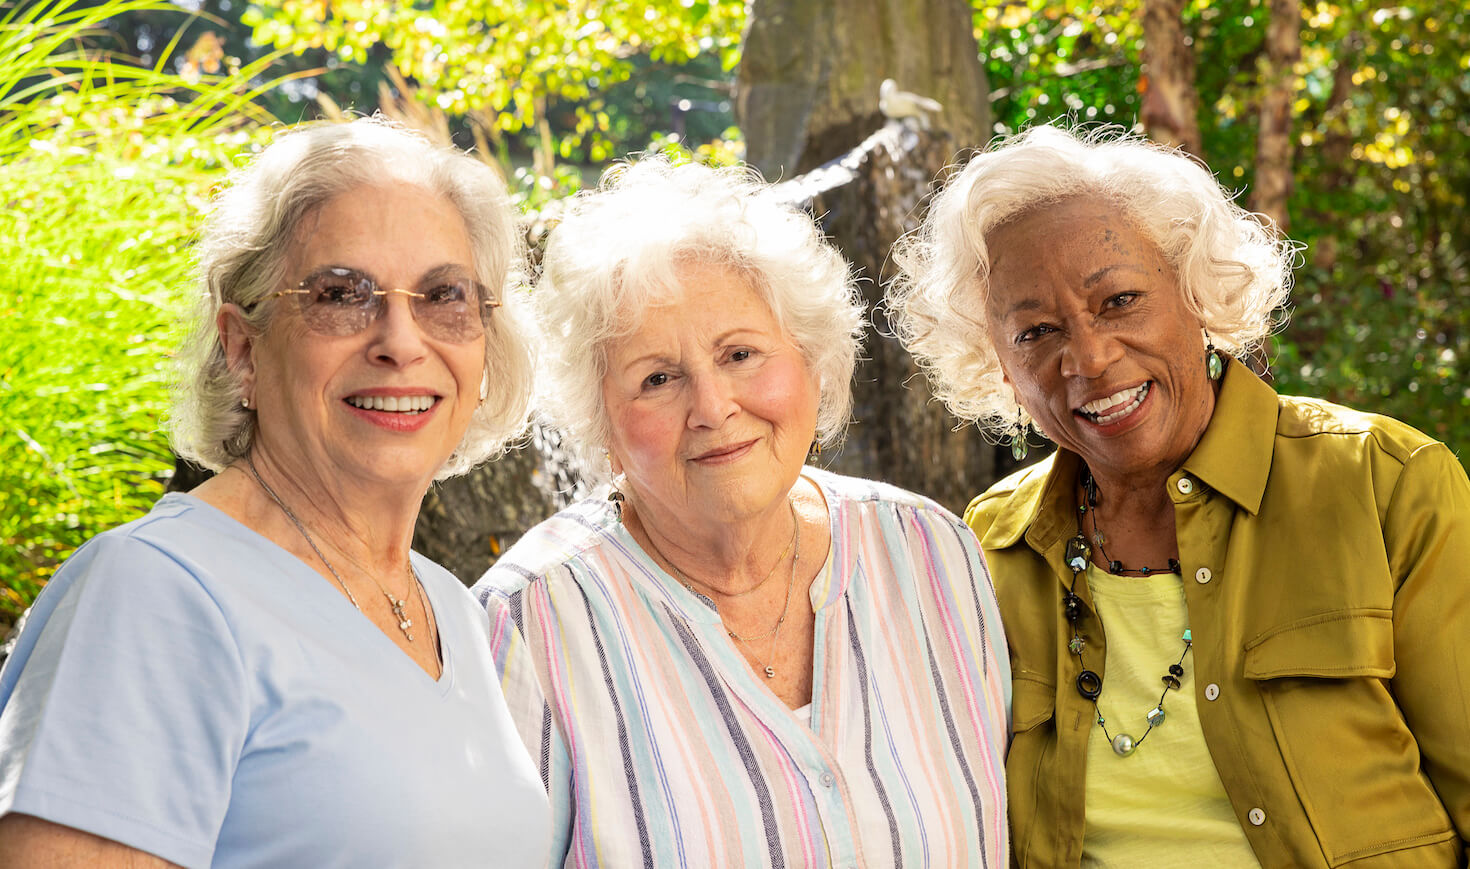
(1116, 406)
(722, 452)
(410, 404)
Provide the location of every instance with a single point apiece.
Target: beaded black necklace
(1088, 506)
(1089, 684)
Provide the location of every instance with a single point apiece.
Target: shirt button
(1185, 485)
(1256, 816)
(828, 779)
(1212, 691)
(1203, 575)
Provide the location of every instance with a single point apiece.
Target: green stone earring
(1019, 447)
(1214, 365)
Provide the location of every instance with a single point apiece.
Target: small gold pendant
(404, 622)
(770, 672)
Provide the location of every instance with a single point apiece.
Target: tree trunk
(1273, 182)
(807, 88)
(466, 522)
(1170, 110)
(1337, 144)
(807, 97)
(865, 200)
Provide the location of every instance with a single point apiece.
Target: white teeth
(392, 404)
(1126, 400)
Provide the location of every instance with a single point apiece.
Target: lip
(389, 420)
(1128, 422)
(724, 454)
(394, 391)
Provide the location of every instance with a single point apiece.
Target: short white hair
(617, 251)
(242, 260)
(1234, 268)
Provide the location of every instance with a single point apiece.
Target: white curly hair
(1234, 267)
(617, 252)
(242, 260)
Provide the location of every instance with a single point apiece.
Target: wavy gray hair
(617, 251)
(1234, 268)
(242, 260)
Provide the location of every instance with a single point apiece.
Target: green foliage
(1049, 60)
(104, 167)
(513, 61)
(1381, 320)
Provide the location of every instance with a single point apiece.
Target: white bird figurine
(899, 105)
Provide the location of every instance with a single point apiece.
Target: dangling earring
(814, 452)
(1214, 365)
(615, 497)
(484, 387)
(1019, 447)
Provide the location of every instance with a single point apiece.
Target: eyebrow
(1024, 305)
(720, 339)
(443, 270)
(1101, 273)
(446, 270)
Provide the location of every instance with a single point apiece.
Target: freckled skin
(1083, 305)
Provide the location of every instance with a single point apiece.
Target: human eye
(1034, 333)
(339, 288)
(741, 354)
(655, 380)
(1121, 300)
(450, 292)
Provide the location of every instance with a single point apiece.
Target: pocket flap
(1347, 643)
(1033, 700)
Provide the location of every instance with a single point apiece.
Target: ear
(238, 340)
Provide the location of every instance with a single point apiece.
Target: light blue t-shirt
(188, 688)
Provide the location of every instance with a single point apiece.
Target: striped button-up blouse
(659, 746)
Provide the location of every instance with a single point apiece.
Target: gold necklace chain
(398, 604)
(795, 539)
(774, 633)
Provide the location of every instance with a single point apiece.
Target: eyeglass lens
(342, 301)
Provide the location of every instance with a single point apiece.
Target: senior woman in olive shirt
(1237, 619)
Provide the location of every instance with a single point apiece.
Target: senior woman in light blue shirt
(260, 672)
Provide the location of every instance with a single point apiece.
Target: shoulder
(1014, 496)
(1323, 425)
(154, 552)
(854, 496)
(576, 533)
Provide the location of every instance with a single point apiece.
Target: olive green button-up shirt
(1326, 562)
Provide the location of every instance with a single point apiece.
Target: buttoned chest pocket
(1351, 757)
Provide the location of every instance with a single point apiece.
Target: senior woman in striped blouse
(736, 659)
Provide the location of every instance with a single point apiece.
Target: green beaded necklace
(1089, 684)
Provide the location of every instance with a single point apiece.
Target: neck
(1139, 496)
(357, 528)
(1136, 519)
(730, 559)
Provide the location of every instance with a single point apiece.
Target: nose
(713, 400)
(396, 337)
(1089, 352)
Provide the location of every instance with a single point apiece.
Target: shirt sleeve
(1427, 532)
(511, 626)
(127, 712)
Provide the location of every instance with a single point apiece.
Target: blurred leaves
(104, 169)
(513, 61)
